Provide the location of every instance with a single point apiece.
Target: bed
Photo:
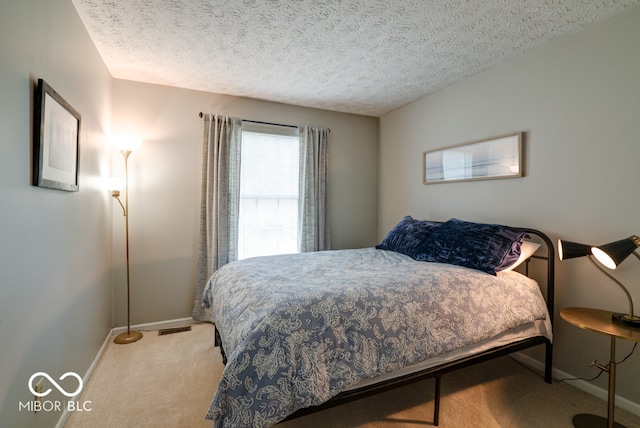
(303, 332)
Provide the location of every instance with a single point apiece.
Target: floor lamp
(126, 145)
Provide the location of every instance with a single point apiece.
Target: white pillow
(526, 250)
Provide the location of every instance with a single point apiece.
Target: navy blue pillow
(485, 247)
(408, 237)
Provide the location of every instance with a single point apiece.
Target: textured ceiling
(357, 56)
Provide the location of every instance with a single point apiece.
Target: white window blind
(269, 187)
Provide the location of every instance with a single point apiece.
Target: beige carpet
(168, 381)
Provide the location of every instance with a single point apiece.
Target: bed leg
(218, 343)
(548, 363)
(436, 401)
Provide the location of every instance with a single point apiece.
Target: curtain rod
(262, 123)
(269, 123)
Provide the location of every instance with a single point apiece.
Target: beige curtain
(220, 201)
(313, 221)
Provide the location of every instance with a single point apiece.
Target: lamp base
(592, 421)
(128, 337)
(626, 319)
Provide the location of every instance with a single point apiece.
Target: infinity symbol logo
(62, 390)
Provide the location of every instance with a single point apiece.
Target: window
(269, 187)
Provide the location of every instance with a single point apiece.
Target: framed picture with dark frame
(56, 140)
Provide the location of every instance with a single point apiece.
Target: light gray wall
(578, 99)
(55, 246)
(165, 187)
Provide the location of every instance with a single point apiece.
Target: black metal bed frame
(438, 371)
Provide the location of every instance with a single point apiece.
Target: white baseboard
(582, 385)
(154, 325)
(65, 415)
(113, 332)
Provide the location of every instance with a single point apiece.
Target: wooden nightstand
(600, 321)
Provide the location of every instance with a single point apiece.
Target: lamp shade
(569, 250)
(125, 143)
(614, 253)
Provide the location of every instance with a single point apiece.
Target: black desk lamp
(611, 255)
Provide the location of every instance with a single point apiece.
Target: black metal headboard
(550, 259)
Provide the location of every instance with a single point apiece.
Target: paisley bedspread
(298, 329)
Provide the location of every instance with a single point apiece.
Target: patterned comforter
(299, 329)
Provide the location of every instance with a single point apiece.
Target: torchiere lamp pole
(126, 146)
